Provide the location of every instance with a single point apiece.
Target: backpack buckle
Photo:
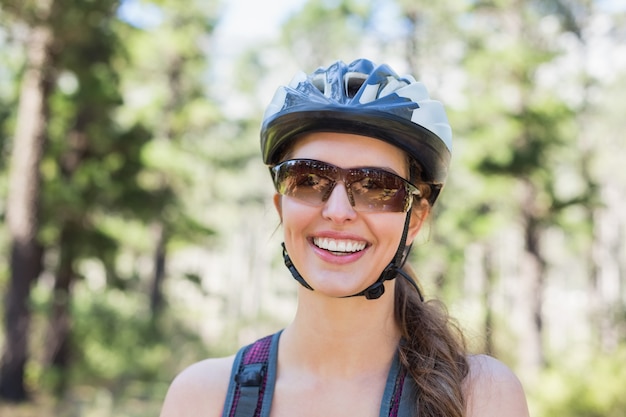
(251, 375)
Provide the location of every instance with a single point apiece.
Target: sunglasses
(369, 189)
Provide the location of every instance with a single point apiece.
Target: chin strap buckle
(375, 291)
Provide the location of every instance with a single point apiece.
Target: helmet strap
(377, 289)
(292, 268)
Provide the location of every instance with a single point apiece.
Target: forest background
(137, 232)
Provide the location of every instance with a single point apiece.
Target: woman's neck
(341, 336)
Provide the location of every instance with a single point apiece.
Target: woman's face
(340, 251)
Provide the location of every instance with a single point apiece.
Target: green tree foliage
(171, 60)
(588, 388)
(94, 170)
(325, 30)
(92, 165)
(516, 132)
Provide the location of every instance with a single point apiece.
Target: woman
(358, 156)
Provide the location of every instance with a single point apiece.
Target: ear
(278, 203)
(418, 217)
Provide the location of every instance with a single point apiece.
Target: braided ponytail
(433, 351)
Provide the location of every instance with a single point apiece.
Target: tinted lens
(378, 190)
(306, 180)
(369, 189)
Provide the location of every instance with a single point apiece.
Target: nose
(337, 207)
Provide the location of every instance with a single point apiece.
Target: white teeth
(334, 245)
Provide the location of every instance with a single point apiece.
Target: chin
(340, 286)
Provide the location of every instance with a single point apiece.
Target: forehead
(348, 150)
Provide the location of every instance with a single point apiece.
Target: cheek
(388, 229)
(295, 216)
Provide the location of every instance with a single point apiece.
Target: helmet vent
(354, 82)
(319, 82)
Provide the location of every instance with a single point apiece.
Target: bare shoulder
(199, 390)
(493, 389)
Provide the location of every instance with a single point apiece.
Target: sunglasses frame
(336, 174)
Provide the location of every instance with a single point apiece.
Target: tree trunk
(58, 336)
(488, 323)
(412, 51)
(23, 212)
(607, 288)
(168, 131)
(532, 355)
(25, 267)
(59, 326)
(160, 254)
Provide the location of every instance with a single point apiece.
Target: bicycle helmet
(365, 99)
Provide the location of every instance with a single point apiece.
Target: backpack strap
(406, 407)
(399, 396)
(252, 379)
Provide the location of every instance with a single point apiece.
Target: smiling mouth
(339, 246)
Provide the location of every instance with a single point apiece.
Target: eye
(368, 184)
(379, 188)
(372, 184)
(387, 193)
(314, 181)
